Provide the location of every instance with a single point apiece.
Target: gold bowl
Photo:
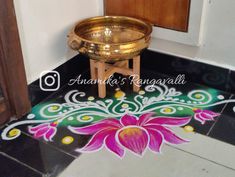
(110, 38)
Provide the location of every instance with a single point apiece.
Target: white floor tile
(171, 163)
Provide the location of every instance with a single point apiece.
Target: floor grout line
(55, 147)
(201, 157)
(14, 159)
(221, 112)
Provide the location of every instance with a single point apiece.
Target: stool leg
(136, 71)
(101, 77)
(93, 70)
(126, 64)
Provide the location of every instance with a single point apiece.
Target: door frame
(11, 58)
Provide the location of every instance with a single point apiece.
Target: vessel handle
(73, 41)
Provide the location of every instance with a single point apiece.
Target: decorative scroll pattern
(78, 110)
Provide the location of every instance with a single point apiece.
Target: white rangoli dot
(31, 116)
(91, 98)
(182, 101)
(70, 118)
(71, 108)
(60, 113)
(234, 109)
(220, 97)
(65, 111)
(141, 92)
(194, 102)
(180, 108)
(61, 120)
(125, 106)
(189, 102)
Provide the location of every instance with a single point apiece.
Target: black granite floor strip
(220, 117)
(224, 128)
(70, 69)
(36, 154)
(52, 146)
(11, 167)
(197, 72)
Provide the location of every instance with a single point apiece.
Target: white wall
(217, 46)
(43, 26)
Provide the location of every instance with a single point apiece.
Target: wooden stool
(101, 71)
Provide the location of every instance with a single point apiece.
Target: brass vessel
(110, 38)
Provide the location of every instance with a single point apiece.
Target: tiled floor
(49, 149)
(189, 160)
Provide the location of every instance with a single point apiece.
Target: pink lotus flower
(204, 115)
(135, 134)
(46, 130)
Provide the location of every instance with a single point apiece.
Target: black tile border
(70, 69)
(224, 127)
(10, 167)
(46, 160)
(231, 82)
(196, 72)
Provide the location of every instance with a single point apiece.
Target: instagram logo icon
(50, 81)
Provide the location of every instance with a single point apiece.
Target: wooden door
(171, 14)
(5, 112)
(14, 100)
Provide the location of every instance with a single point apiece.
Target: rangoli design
(135, 134)
(134, 122)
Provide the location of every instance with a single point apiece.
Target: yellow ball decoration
(119, 94)
(167, 110)
(54, 108)
(14, 132)
(86, 118)
(188, 128)
(91, 98)
(198, 96)
(67, 140)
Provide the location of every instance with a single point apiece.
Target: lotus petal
(128, 120)
(97, 140)
(50, 134)
(134, 138)
(41, 132)
(113, 145)
(199, 118)
(91, 129)
(156, 140)
(168, 135)
(36, 128)
(145, 118)
(170, 121)
(207, 116)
